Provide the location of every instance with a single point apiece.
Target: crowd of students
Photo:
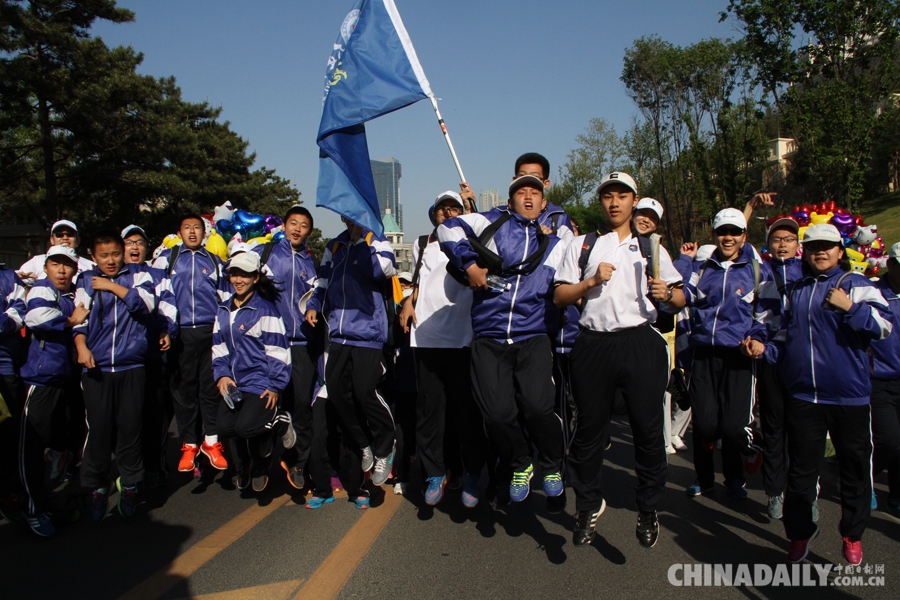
(507, 350)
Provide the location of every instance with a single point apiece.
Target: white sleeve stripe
(41, 315)
(16, 317)
(168, 310)
(148, 298)
(223, 295)
(272, 325)
(141, 277)
(219, 351)
(279, 354)
(865, 293)
(884, 325)
(42, 292)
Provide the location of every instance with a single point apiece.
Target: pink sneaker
(800, 548)
(853, 551)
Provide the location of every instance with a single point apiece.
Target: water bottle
(497, 283)
(231, 396)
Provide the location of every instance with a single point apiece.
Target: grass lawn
(884, 212)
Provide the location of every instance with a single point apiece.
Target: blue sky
(511, 77)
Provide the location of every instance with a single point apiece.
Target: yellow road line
(270, 591)
(337, 568)
(201, 552)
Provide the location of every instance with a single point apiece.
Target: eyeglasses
(786, 240)
(449, 210)
(732, 231)
(138, 243)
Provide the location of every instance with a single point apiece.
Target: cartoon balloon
(217, 245)
(225, 211)
(844, 223)
(171, 240)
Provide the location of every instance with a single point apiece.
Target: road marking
(201, 552)
(270, 591)
(337, 568)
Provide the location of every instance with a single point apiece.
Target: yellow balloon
(858, 266)
(171, 240)
(801, 231)
(216, 245)
(257, 241)
(855, 255)
(817, 219)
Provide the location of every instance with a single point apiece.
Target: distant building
(394, 235)
(386, 174)
(778, 162)
(490, 199)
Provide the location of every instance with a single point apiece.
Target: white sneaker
(382, 470)
(670, 450)
(368, 459)
(678, 443)
(399, 489)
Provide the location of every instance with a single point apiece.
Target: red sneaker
(800, 548)
(214, 454)
(853, 551)
(753, 462)
(188, 458)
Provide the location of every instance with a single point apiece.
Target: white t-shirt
(622, 302)
(35, 264)
(444, 306)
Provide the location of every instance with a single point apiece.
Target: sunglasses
(732, 231)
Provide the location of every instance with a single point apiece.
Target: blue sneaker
(736, 488)
(697, 490)
(362, 502)
(41, 524)
(553, 485)
(99, 503)
(435, 491)
(521, 484)
(874, 501)
(470, 491)
(318, 502)
(127, 498)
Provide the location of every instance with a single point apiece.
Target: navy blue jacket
(886, 352)
(199, 284)
(116, 330)
(294, 273)
(12, 319)
(49, 359)
(822, 352)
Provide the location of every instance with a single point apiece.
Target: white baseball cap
(822, 232)
(617, 177)
(133, 229)
(61, 251)
(450, 194)
(525, 181)
(730, 216)
(248, 262)
(705, 251)
(405, 276)
(650, 203)
(64, 223)
(238, 248)
(895, 252)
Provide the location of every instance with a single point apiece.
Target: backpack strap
(266, 253)
(554, 223)
(423, 241)
(174, 253)
(589, 240)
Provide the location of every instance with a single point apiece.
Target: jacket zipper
(512, 304)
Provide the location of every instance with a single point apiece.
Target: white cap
(650, 203)
(452, 196)
(822, 232)
(705, 251)
(238, 248)
(783, 223)
(525, 181)
(730, 216)
(61, 251)
(248, 262)
(895, 252)
(405, 276)
(133, 229)
(617, 177)
(63, 223)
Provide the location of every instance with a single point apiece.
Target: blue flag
(373, 70)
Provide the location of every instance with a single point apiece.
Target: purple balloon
(844, 223)
(271, 223)
(802, 217)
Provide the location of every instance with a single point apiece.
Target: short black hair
(107, 236)
(189, 217)
(533, 158)
(299, 210)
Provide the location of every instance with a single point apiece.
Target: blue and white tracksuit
(725, 310)
(555, 218)
(12, 317)
(350, 295)
(512, 350)
(826, 368)
(886, 396)
(116, 334)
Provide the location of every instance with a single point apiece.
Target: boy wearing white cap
(64, 233)
(618, 349)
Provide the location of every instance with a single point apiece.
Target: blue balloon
(224, 226)
(248, 218)
(278, 236)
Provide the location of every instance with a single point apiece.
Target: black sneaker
(259, 476)
(243, 479)
(647, 529)
(556, 504)
(585, 525)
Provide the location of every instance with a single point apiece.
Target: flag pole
(440, 119)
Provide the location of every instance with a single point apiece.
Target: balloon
(872, 271)
(819, 218)
(272, 222)
(808, 208)
(877, 248)
(253, 231)
(830, 206)
(223, 212)
(278, 236)
(257, 241)
(796, 209)
(822, 208)
(865, 234)
(216, 245)
(171, 240)
(223, 225)
(802, 231)
(858, 266)
(802, 217)
(858, 219)
(844, 223)
(247, 218)
(854, 254)
(841, 211)
(238, 227)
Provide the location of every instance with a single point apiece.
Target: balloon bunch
(241, 226)
(863, 246)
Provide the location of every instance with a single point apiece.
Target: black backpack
(665, 322)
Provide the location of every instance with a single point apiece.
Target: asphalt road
(201, 538)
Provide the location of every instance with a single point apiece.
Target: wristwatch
(671, 295)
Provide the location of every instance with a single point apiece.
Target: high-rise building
(490, 199)
(386, 174)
